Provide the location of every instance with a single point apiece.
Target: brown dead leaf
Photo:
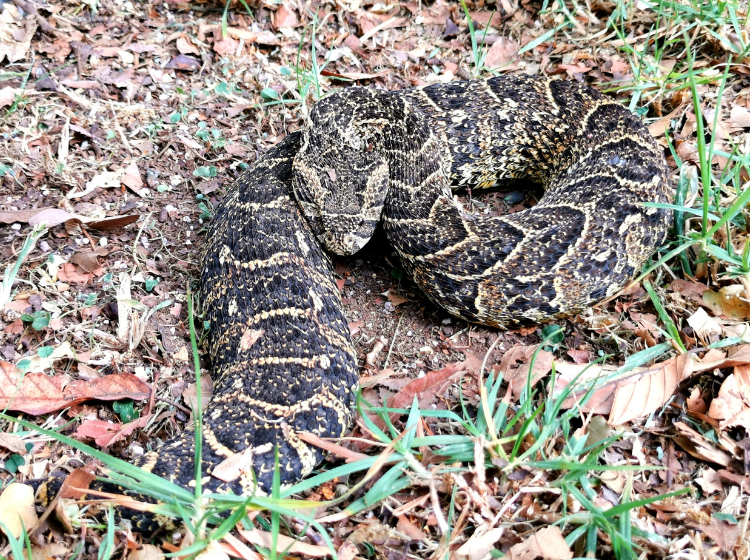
(190, 394)
(106, 433)
(37, 393)
(688, 289)
(700, 447)
(87, 261)
(226, 46)
(501, 53)
(580, 356)
(354, 75)
(479, 544)
(131, 178)
(729, 402)
(69, 272)
(263, 538)
(185, 46)
(740, 117)
(547, 543)
(409, 529)
(724, 534)
(641, 397)
(396, 299)
(12, 443)
(710, 481)
(516, 374)
(285, 16)
(50, 217)
(8, 95)
(76, 483)
(728, 302)
(428, 388)
(146, 552)
(715, 359)
(17, 509)
(115, 222)
(234, 466)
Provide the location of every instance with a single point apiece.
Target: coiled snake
(279, 342)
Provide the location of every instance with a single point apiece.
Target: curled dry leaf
(37, 393)
(728, 301)
(17, 509)
(76, 483)
(700, 447)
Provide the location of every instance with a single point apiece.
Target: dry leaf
(105, 433)
(639, 397)
(516, 375)
(70, 273)
(76, 483)
(234, 466)
(724, 534)
(226, 46)
(547, 543)
(728, 302)
(409, 529)
(131, 178)
(285, 17)
(479, 545)
(501, 53)
(396, 299)
(698, 446)
(703, 325)
(52, 550)
(185, 46)
(17, 509)
(263, 538)
(190, 394)
(88, 261)
(740, 117)
(147, 552)
(12, 443)
(37, 393)
(8, 95)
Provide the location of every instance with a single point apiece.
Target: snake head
(340, 178)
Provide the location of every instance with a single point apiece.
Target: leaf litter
(131, 112)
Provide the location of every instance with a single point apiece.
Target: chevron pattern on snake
(366, 151)
(279, 343)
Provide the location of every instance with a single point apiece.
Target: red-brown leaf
(37, 393)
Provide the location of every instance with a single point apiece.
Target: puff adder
(366, 151)
(279, 343)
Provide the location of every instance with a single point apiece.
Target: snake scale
(279, 341)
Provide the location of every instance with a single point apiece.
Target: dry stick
(393, 341)
(30, 8)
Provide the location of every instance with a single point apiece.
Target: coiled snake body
(279, 342)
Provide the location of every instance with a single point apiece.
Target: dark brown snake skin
(279, 342)
(402, 152)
